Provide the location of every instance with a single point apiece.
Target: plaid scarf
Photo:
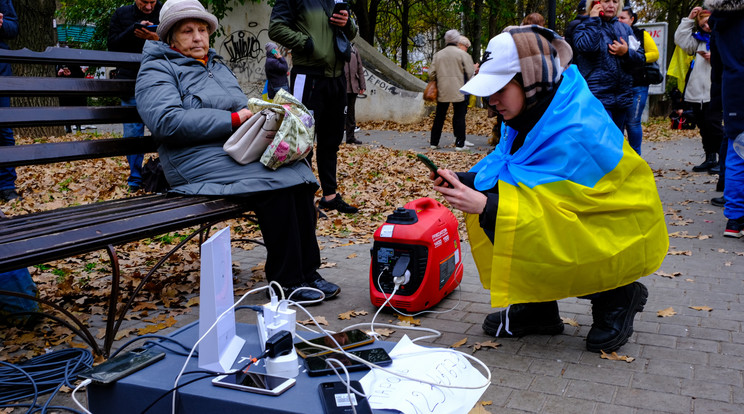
(543, 56)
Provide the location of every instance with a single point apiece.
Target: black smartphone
(151, 27)
(122, 365)
(340, 6)
(317, 366)
(257, 382)
(347, 340)
(433, 168)
(336, 399)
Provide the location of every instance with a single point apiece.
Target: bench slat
(115, 231)
(81, 57)
(23, 86)
(53, 152)
(66, 115)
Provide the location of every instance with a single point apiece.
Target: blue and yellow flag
(578, 211)
(678, 67)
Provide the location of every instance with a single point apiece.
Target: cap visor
(486, 84)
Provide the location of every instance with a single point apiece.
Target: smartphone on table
(316, 365)
(433, 168)
(257, 382)
(348, 339)
(336, 399)
(122, 365)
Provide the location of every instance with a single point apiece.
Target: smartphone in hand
(340, 6)
(152, 27)
(433, 168)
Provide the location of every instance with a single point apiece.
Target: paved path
(690, 362)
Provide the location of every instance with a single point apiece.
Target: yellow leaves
(480, 408)
(351, 256)
(665, 313)
(615, 357)
(702, 308)
(408, 321)
(669, 275)
(477, 346)
(170, 321)
(386, 332)
(569, 321)
(459, 343)
(320, 319)
(192, 302)
(351, 314)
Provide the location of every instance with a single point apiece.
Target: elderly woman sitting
(191, 101)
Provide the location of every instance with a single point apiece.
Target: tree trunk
(405, 30)
(36, 32)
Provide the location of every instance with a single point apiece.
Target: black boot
(613, 312)
(710, 162)
(524, 319)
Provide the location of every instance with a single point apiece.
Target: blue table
(135, 392)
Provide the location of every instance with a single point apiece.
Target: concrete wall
(392, 93)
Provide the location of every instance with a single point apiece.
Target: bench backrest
(19, 86)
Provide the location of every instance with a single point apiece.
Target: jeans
(136, 160)
(633, 118)
(733, 190)
(618, 116)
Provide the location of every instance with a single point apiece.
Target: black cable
(41, 375)
(165, 338)
(167, 393)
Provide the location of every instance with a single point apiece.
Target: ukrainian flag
(578, 211)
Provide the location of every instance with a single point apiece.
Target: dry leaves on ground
(665, 313)
(351, 314)
(615, 357)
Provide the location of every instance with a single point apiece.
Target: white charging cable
(81, 385)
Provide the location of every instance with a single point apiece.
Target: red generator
(421, 243)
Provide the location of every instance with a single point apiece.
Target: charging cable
(81, 385)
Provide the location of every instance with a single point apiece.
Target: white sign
(658, 32)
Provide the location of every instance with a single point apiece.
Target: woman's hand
(619, 48)
(694, 12)
(705, 55)
(459, 196)
(244, 114)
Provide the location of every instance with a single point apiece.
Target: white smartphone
(257, 382)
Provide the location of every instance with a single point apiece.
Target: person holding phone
(547, 211)
(311, 30)
(607, 50)
(128, 33)
(277, 70)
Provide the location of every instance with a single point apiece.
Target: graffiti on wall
(376, 85)
(244, 52)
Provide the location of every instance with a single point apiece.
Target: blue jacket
(9, 29)
(727, 24)
(608, 76)
(188, 107)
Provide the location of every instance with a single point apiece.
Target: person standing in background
(355, 84)
(277, 70)
(640, 83)
(126, 36)
(8, 30)
(450, 68)
(74, 71)
(312, 30)
(693, 36)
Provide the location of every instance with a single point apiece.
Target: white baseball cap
(499, 67)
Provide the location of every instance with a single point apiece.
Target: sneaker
(9, 195)
(613, 312)
(460, 148)
(718, 201)
(330, 290)
(734, 228)
(524, 319)
(357, 129)
(434, 147)
(469, 144)
(337, 203)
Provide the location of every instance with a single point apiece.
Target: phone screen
(348, 339)
(317, 365)
(255, 382)
(433, 168)
(122, 365)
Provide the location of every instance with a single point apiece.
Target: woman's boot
(613, 312)
(524, 319)
(710, 162)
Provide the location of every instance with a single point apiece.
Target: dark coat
(188, 107)
(121, 33)
(276, 73)
(608, 75)
(727, 48)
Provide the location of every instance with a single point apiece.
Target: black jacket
(121, 33)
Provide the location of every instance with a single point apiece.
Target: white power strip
(277, 318)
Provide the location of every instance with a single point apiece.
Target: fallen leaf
(569, 321)
(478, 409)
(680, 253)
(459, 343)
(385, 332)
(192, 302)
(489, 344)
(327, 265)
(615, 357)
(352, 313)
(320, 319)
(669, 275)
(702, 308)
(664, 313)
(351, 256)
(408, 321)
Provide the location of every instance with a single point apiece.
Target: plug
(401, 274)
(279, 344)
(402, 280)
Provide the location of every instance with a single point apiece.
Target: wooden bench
(37, 238)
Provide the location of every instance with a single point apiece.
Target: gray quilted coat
(188, 108)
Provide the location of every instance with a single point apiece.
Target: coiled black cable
(40, 375)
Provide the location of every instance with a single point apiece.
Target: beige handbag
(251, 139)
